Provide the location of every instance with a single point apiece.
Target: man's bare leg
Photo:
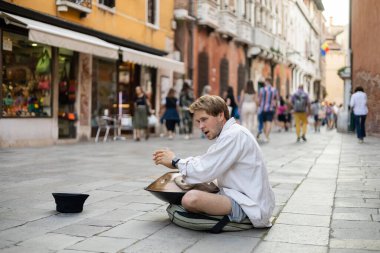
(205, 202)
(267, 129)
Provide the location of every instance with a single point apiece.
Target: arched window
(202, 71)
(223, 75)
(241, 77)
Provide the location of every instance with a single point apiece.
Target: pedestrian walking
(281, 115)
(301, 106)
(315, 111)
(206, 90)
(329, 115)
(171, 115)
(358, 104)
(229, 97)
(268, 98)
(335, 112)
(248, 106)
(140, 115)
(235, 161)
(288, 112)
(186, 98)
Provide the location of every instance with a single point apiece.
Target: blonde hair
(211, 104)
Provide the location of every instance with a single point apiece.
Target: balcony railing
(244, 32)
(80, 5)
(181, 10)
(227, 23)
(207, 13)
(262, 39)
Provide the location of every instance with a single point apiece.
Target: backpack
(300, 103)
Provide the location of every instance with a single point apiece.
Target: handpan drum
(171, 187)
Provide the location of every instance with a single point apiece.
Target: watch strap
(175, 161)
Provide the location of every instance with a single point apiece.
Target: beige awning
(64, 38)
(151, 60)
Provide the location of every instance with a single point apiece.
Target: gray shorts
(237, 214)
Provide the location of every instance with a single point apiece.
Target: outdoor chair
(106, 123)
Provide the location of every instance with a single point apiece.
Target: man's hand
(164, 157)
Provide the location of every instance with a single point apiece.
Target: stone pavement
(327, 198)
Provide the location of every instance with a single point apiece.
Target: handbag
(43, 64)
(44, 85)
(152, 120)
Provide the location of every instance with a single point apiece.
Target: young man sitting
(234, 160)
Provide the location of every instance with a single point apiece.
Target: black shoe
(298, 139)
(304, 138)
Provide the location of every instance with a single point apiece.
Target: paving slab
(276, 247)
(327, 198)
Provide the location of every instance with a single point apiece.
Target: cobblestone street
(327, 198)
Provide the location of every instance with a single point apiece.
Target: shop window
(152, 12)
(26, 88)
(104, 93)
(107, 3)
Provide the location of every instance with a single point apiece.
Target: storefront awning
(151, 60)
(64, 38)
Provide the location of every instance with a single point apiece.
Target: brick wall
(365, 39)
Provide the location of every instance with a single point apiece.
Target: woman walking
(248, 106)
(140, 116)
(186, 98)
(229, 97)
(171, 115)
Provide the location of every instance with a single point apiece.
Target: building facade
(336, 60)
(65, 63)
(365, 61)
(231, 42)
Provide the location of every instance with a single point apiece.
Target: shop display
(26, 87)
(67, 86)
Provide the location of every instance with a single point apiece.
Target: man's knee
(190, 200)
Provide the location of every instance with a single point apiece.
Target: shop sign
(7, 44)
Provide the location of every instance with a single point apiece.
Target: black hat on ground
(70, 202)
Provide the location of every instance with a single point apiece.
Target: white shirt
(359, 103)
(235, 160)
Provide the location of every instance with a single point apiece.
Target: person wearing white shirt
(359, 105)
(235, 160)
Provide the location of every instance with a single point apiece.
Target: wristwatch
(175, 161)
